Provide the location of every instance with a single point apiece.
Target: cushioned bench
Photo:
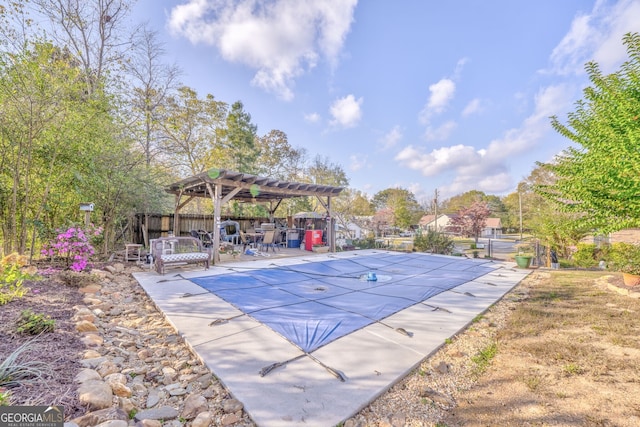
(177, 251)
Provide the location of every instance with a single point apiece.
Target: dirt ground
(60, 350)
(565, 352)
(568, 355)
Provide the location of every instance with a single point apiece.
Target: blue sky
(422, 95)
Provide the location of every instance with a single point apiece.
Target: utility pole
(520, 205)
(435, 202)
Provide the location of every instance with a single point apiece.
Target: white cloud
(472, 107)
(440, 133)
(549, 101)
(487, 169)
(391, 138)
(312, 117)
(357, 162)
(281, 39)
(596, 36)
(492, 183)
(622, 18)
(441, 94)
(438, 161)
(568, 57)
(346, 111)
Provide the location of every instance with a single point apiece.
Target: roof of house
(428, 219)
(493, 223)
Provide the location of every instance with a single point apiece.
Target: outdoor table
(254, 238)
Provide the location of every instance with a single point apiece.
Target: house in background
(493, 226)
(428, 222)
(442, 224)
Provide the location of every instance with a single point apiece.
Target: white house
(493, 226)
(442, 224)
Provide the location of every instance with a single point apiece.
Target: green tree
(352, 206)
(323, 172)
(464, 200)
(239, 137)
(599, 177)
(58, 148)
(405, 210)
(41, 126)
(552, 226)
(278, 159)
(190, 127)
(433, 242)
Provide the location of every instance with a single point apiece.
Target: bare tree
(152, 82)
(92, 29)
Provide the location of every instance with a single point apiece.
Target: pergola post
(331, 232)
(217, 209)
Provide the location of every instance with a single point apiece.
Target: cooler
(312, 237)
(293, 238)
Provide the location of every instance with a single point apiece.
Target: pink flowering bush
(74, 246)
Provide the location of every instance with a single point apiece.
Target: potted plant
(625, 258)
(524, 255)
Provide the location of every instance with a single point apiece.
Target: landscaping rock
(85, 375)
(95, 394)
(194, 405)
(161, 413)
(136, 363)
(97, 417)
(202, 420)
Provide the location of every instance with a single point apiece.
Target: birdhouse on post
(87, 208)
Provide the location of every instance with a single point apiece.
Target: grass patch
(570, 327)
(572, 369)
(17, 369)
(484, 357)
(533, 382)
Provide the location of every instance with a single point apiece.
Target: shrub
(366, 243)
(13, 273)
(625, 258)
(434, 242)
(73, 246)
(585, 255)
(33, 324)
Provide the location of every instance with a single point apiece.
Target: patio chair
(281, 239)
(244, 240)
(269, 241)
(205, 237)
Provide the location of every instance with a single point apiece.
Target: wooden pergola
(223, 185)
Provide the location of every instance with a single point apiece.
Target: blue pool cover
(314, 303)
